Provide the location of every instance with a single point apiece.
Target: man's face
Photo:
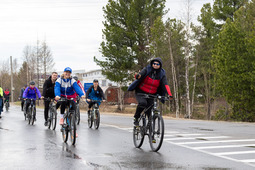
(156, 65)
(67, 74)
(32, 86)
(54, 76)
(95, 83)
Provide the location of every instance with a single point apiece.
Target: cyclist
(21, 96)
(151, 80)
(79, 83)
(30, 93)
(1, 101)
(66, 87)
(48, 92)
(7, 96)
(94, 93)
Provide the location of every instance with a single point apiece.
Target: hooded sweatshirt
(152, 81)
(48, 88)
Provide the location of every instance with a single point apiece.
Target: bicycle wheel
(29, 113)
(138, 133)
(90, 119)
(64, 130)
(6, 107)
(54, 119)
(49, 118)
(156, 132)
(33, 115)
(97, 120)
(78, 116)
(73, 128)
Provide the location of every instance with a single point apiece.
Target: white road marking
(234, 153)
(224, 146)
(248, 160)
(220, 141)
(197, 138)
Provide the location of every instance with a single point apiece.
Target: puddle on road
(148, 165)
(211, 168)
(201, 139)
(250, 146)
(198, 128)
(4, 129)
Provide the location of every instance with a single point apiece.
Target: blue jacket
(67, 88)
(31, 93)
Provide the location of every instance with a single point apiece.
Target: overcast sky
(72, 28)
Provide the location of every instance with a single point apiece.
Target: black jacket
(48, 88)
(100, 94)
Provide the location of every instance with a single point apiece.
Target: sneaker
(136, 123)
(46, 123)
(61, 122)
(0, 117)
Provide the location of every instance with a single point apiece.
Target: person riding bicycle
(48, 92)
(21, 96)
(30, 93)
(151, 80)
(7, 96)
(80, 85)
(94, 93)
(1, 101)
(66, 87)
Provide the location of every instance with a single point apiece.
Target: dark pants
(91, 104)
(63, 105)
(46, 109)
(143, 103)
(22, 104)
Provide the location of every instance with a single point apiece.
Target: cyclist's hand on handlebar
(57, 98)
(138, 76)
(170, 97)
(88, 100)
(42, 97)
(83, 97)
(103, 100)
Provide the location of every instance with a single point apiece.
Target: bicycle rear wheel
(138, 133)
(64, 131)
(73, 128)
(156, 132)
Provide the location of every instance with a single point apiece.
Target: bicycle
(52, 114)
(69, 121)
(78, 114)
(31, 111)
(7, 105)
(94, 115)
(154, 124)
(24, 109)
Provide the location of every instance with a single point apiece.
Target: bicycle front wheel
(78, 116)
(33, 115)
(64, 131)
(138, 133)
(54, 119)
(97, 120)
(29, 115)
(73, 128)
(156, 132)
(49, 119)
(90, 119)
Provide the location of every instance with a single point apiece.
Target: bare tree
(47, 58)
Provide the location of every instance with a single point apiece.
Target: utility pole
(11, 79)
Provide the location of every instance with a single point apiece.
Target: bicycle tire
(73, 128)
(64, 131)
(97, 120)
(138, 134)
(49, 118)
(54, 119)
(33, 115)
(156, 132)
(90, 119)
(78, 115)
(6, 107)
(29, 114)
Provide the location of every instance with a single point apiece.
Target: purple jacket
(31, 93)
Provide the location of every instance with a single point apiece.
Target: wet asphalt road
(188, 144)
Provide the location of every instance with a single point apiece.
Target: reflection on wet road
(187, 145)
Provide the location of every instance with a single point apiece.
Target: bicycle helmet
(68, 69)
(75, 78)
(32, 83)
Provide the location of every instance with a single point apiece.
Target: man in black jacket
(21, 96)
(48, 92)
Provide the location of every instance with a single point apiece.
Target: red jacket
(81, 86)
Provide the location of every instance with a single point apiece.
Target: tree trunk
(175, 83)
(120, 98)
(207, 93)
(187, 83)
(194, 87)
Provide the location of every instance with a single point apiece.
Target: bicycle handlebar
(153, 96)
